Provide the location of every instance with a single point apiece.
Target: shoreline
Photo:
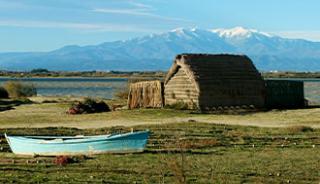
(138, 74)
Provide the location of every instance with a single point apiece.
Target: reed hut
(206, 82)
(284, 94)
(146, 94)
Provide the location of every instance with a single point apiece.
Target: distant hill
(156, 52)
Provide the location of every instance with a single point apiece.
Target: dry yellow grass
(53, 114)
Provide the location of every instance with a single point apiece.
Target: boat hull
(52, 146)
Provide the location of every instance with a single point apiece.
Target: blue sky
(43, 25)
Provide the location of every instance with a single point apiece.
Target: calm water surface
(92, 87)
(106, 87)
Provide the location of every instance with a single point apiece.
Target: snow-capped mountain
(239, 32)
(156, 51)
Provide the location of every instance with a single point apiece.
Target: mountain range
(157, 51)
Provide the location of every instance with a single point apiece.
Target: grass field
(53, 114)
(184, 147)
(181, 153)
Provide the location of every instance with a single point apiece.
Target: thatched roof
(209, 68)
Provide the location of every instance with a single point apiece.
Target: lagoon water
(106, 87)
(91, 87)
(312, 91)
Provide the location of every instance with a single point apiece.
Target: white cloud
(73, 25)
(140, 5)
(137, 9)
(137, 12)
(123, 11)
(129, 8)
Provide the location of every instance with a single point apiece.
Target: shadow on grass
(247, 111)
(9, 104)
(226, 111)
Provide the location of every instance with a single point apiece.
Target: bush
(122, 94)
(17, 89)
(3, 93)
(88, 106)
